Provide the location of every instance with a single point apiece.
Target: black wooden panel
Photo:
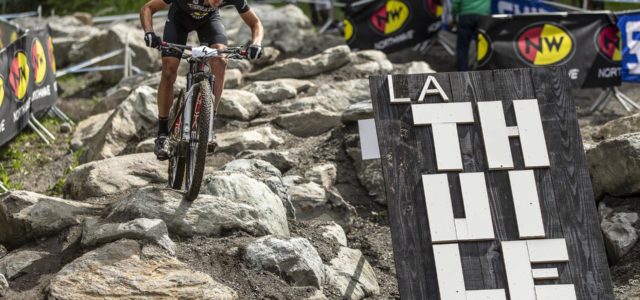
(567, 204)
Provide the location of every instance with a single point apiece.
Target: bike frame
(198, 71)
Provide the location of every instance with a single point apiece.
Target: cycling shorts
(178, 25)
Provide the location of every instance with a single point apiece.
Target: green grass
(57, 189)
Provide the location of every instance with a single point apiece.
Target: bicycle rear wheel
(197, 150)
(177, 162)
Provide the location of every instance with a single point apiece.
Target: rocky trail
(288, 209)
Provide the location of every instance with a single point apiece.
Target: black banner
(391, 25)
(589, 44)
(27, 81)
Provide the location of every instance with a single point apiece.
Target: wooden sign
(488, 189)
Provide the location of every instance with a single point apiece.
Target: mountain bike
(191, 118)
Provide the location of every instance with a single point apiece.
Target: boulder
(67, 30)
(369, 175)
(243, 189)
(88, 128)
(301, 86)
(241, 65)
(20, 262)
(293, 259)
(4, 286)
(418, 67)
(368, 62)
(146, 146)
(309, 122)
(139, 112)
(116, 37)
(324, 174)
(334, 232)
(358, 111)
(334, 97)
(209, 215)
(266, 173)
(253, 139)
(3, 251)
(96, 232)
(618, 230)
(351, 275)
(284, 33)
(314, 202)
(283, 160)
(239, 104)
(125, 270)
(115, 175)
(618, 127)
(326, 61)
(615, 166)
(112, 100)
(272, 91)
(232, 79)
(25, 216)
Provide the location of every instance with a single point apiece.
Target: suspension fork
(212, 116)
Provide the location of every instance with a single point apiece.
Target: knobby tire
(197, 150)
(177, 162)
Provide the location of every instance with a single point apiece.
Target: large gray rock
(283, 160)
(97, 232)
(115, 37)
(232, 79)
(419, 67)
(334, 97)
(4, 286)
(618, 127)
(368, 62)
(20, 262)
(138, 112)
(254, 139)
(615, 166)
(326, 61)
(266, 173)
(309, 122)
(146, 145)
(272, 91)
(3, 251)
(369, 175)
(334, 232)
(125, 270)
(209, 215)
(240, 105)
(314, 202)
(241, 188)
(293, 259)
(618, 230)
(115, 175)
(112, 100)
(323, 174)
(358, 111)
(88, 128)
(25, 216)
(285, 27)
(351, 274)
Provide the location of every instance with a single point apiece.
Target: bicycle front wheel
(197, 150)
(177, 161)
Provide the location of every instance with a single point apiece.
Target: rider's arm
(148, 10)
(252, 20)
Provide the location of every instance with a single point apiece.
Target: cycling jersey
(199, 9)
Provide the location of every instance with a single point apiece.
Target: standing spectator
(468, 13)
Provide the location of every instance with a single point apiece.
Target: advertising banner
(629, 25)
(391, 25)
(518, 7)
(27, 81)
(588, 44)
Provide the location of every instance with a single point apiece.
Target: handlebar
(206, 52)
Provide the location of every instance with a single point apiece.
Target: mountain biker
(203, 17)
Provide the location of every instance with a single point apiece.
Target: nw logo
(544, 44)
(609, 42)
(19, 75)
(391, 17)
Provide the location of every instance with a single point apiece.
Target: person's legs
(165, 90)
(218, 69)
(465, 33)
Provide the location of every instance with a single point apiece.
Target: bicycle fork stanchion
(614, 92)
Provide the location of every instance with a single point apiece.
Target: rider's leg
(218, 69)
(165, 90)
